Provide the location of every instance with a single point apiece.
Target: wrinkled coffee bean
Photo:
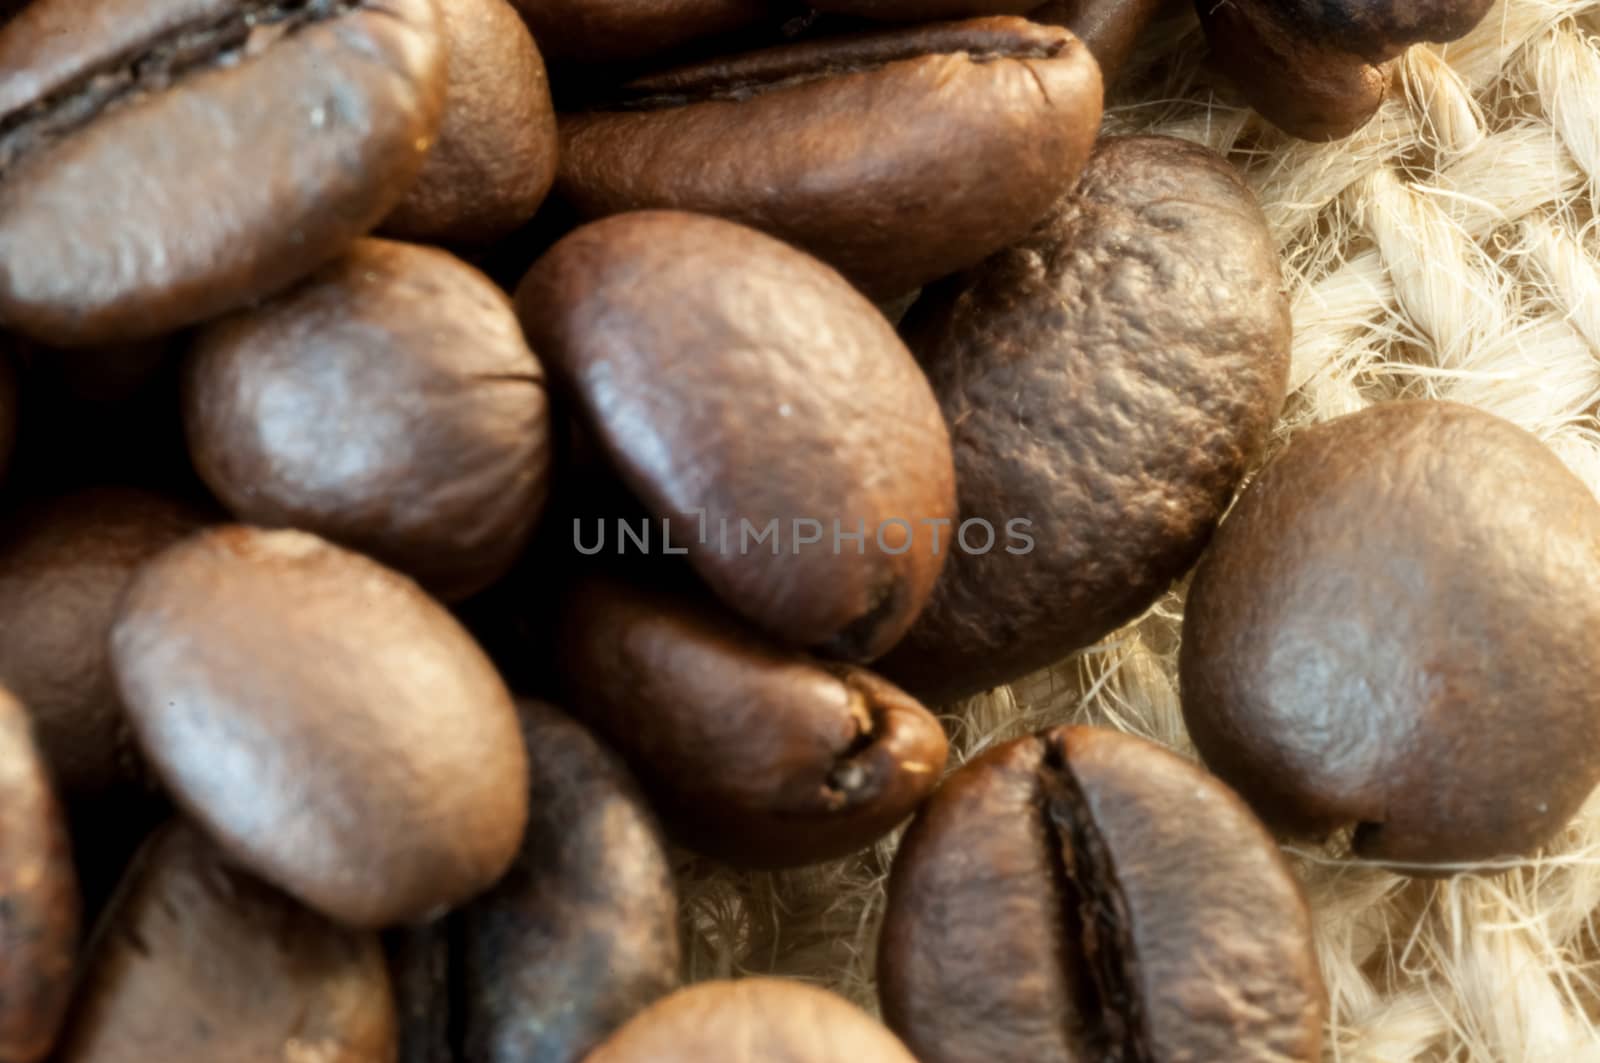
(8, 410)
(753, 1019)
(1137, 910)
(1108, 28)
(388, 403)
(39, 906)
(583, 932)
(601, 31)
(1108, 380)
(756, 755)
(64, 564)
(334, 729)
(199, 962)
(495, 157)
(742, 388)
(1394, 630)
(162, 163)
(896, 156)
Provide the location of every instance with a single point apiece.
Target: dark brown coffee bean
(1108, 381)
(1108, 28)
(335, 730)
(601, 31)
(8, 410)
(290, 127)
(1087, 895)
(1395, 630)
(896, 156)
(38, 896)
(64, 564)
(495, 157)
(388, 403)
(741, 387)
(757, 755)
(199, 962)
(753, 1019)
(583, 932)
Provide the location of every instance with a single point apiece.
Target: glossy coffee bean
(1394, 630)
(8, 410)
(754, 754)
(753, 1019)
(161, 163)
(200, 962)
(1108, 28)
(64, 564)
(1108, 380)
(495, 157)
(896, 156)
(583, 931)
(1086, 895)
(388, 403)
(736, 383)
(604, 31)
(39, 905)
(333, 728)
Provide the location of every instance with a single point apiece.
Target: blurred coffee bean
(162, 163)
(197, 961)
(757, 755)
(1087, 895)
(333, 728)
(38, 895)
(761, 408)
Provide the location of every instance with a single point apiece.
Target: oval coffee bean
(334, 729)
(8, 410)
(1136, 908)
(750, 398)
(199, 962)
(756, 755)
(495, 157)
(64, 564)
(161, 163)
(603, 31)
(1108, 381)
(753, 1019)
(1395, 630)
(896, 156)
(39, 906)
(583, 932)
(388, 403)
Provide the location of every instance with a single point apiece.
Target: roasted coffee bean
(757, 755)
(1395, 631)
(199, 962)
(64, 564)
(8, 409)
(1086, 895)
(496, 154)
(388, 403)
(753, 1019)
(1108, 28)
(601, 31)
(161, 163)
(896, 156)
(583, 932)
(1107, 381)
(333, 728)
(741, 389)
(38, 896)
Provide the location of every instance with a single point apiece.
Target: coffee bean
(742, 388)
(1083, 894)
(38, 896)
(64, 564)
(756, 755)
(200, 962)
(388, 403)
(1395, 631)
(335, 730)
(896, 156)
(602, 31)
(496, 154)
(1108, 381)
(583, 932)
(163, 163)
(754, 1019)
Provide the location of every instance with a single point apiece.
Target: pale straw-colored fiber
(1449, 249)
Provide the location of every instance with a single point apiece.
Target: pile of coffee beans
(438, 484)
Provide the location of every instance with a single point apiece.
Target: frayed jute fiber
(1449, 249)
